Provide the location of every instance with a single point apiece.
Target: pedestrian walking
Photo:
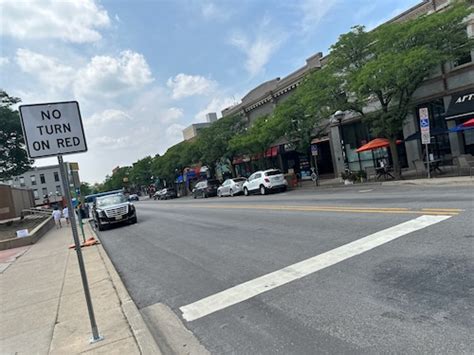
(66, 214)
(57, 217)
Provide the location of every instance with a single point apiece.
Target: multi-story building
(44, 181)
(449, 83)
(192, 131)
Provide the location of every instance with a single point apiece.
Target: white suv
(264, 181)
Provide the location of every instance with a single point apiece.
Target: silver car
(231, 187)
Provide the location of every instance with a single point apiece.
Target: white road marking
(368, 190)
(303, 268)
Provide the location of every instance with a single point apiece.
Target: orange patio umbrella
(376, 143)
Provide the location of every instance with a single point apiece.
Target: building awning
(319, 140)
(461, 105)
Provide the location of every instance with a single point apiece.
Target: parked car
(206, 188)
(265, 181)
(112, 209)
(167, 193)
(133, 197)
(231, 187)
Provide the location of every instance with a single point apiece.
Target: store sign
(425, 125)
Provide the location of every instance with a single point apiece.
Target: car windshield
(110, 200)
(241, 179)
(273, 172)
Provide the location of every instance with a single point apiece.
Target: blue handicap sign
(424, 122)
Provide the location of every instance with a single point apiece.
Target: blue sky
(144, 70)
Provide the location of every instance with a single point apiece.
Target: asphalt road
(413, 293)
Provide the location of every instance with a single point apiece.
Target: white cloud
(171, 114)
(183, 85)
(217, 104)
(113, 143)
(107, 117)
(47, 69)
(175, 132)
(101, 77)
(4, 61)
(260, 48)
(70, 21)
(210, 11)
(107, 76)
(313, 11)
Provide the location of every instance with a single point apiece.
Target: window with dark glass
(56, 176)
(42, 179)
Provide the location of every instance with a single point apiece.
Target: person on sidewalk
(57, 217)
(66, 214)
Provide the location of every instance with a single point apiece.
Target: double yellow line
(384, 210)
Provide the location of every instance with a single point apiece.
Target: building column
(455, 140)
(413, 147)
(336, 151)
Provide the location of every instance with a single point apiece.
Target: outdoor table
(435, 165)
(383, 172)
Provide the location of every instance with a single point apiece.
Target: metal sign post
(77, 243)
(425, 135)
(315, 174)
(54, 129)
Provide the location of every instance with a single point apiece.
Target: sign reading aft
(53, 129)
(425, 125)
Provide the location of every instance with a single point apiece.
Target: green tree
(390, 63)
(13, 157)
(86, 189)
(117, 180)
(213, 142)
(140, 173)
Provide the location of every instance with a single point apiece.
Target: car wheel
(246, 191)
(206, 196)
(263, 190)
(100, 226)
(283, 189)
(231, 193)
(219, 194)
(133, 220)
(194, 196)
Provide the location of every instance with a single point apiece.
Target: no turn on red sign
(53, 129)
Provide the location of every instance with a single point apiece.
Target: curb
(145, 340)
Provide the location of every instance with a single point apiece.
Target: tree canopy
(13, 156)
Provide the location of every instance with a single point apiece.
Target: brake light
(267, 180)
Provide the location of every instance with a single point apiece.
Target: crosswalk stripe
(303, 268)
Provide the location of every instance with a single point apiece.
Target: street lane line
(325, 209)
(303, 268)
(443, 209)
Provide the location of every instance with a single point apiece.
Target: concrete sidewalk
(435, 181)
(43, 305)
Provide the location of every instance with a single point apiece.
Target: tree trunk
(395, 161)
(232, 169)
